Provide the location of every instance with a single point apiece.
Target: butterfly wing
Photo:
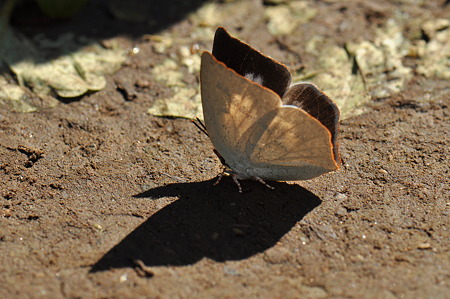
(231, 106)
(250, 63)
(309, 98)
(255, 134)
(289, 144)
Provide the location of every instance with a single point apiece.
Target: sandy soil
(101, 200)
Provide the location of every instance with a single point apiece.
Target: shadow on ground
(96, 22)
(211, 221)
(97, 18)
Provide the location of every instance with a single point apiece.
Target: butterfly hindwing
(317, 104)
(290, 145)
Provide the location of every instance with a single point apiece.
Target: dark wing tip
(250, 63)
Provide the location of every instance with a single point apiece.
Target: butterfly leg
(258, 179)
(235, 179)
(219, 178)
(233, 176)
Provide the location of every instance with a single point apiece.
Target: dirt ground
(101, 200)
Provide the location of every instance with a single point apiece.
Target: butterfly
(261, 127)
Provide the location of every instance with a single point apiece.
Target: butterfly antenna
(200, 125)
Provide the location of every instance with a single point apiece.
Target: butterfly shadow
(210, 221)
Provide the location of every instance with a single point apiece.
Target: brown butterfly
(260, 127)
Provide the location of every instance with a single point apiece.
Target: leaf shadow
(211, 221)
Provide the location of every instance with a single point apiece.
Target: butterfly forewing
(250, 63)
(231, 105)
